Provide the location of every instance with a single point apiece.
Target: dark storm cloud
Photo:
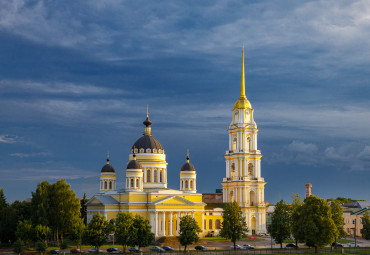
(76, 76)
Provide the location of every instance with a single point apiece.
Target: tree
(280, 220)
(337, 216)
(42, 233)
(40, 204)
(25, 231)
(83, 209)
(295, 229)
(124, 229)
(366, 226)
(76, 232)
(142, 232)
(188, 233)
(233, 226)
(317, 226)
(18, 246)
(97, 231)
(40, 246)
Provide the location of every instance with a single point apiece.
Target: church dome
(147, 142)
(108, 168)
(134, 164)
(242, 103)
(187, 166)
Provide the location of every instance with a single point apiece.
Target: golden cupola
(242, 102)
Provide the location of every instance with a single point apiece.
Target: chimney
(308, 189)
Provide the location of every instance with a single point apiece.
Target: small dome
(242, 103)
(147, 142)
(108, 168)
(188, 167)
(134, 164)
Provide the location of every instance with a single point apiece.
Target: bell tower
(243, 182)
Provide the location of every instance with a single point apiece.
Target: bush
(19, 246)
(40, 246)
(63, 246)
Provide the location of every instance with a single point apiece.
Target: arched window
(101, 185)
(137, 183)
(236, 116)
(155, 179)
(205, 224)
(186, 185)
(234, 144)
(249, 144)
(110, 185)
(148, 175)
(210, 225)
(132, 183)
(250, 170)
(105, 185)
(160, 176)
(252, 198)
(218, 224)
(191, 184)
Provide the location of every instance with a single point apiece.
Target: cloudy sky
(76, 76)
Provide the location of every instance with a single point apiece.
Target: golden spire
(108, 157)
(187, 156)
(242, 87)
(147, 111)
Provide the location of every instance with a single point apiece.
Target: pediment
(173, 200)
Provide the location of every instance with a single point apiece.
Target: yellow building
(145, 190)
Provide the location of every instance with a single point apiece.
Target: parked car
(74, 251)
(247, 247)
(353, 245)
(113, 250)
(167, 248)
(54, 252)
(336, 244)
(93, 250)
(290, 245)
(157, 249)
(263, 234)
(237, 247)
(201, 248)
(134, 249)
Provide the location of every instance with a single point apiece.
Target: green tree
(76, 232)
(42, 233)
(40, 204)
(337, 216)
(19, 246)
(25, 231)
(315, 219)
(188, 233)
(295, 229)
(40, 246)
(97, 231)
(366, 226)
(124, 229)
(233, 226)
(83, 209)
(280, 227)
(142, 232)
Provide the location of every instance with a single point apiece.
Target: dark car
(167, 248)
(74, 251)
(291, 245)
(54, 252)
(201, 248)
(157, 249)
(247, 247)
(134, 249)
(113, 250)
(336, 244)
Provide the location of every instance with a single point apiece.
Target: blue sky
(76, 77)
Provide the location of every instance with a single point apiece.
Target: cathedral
(145, 191)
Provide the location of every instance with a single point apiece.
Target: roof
(147, 142)
(134, 164)
(187, 167)
(105, 200)
(358, 204)
(107, 168)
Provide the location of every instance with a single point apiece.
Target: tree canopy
(366, 226)
(142, 232)
(280, 227)
(337, 216)
(233, 226)
(124, 229)
(97, 231)
(189, 230)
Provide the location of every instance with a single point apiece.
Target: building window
(191, 184)
(148, 175)
(354, 221)
(160, 176)
(210, 225)
(186, 185)
(249, 144)
(110, 185)
(155, 175)
(205, 224)
(132, 183)
(105, 185)
(137, 183)
(218, 224)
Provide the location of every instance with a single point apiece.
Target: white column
(178, 223)
(152, 221)
(156, 223)
(171, 225)
(163, 223)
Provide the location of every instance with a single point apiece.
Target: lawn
(219, 238)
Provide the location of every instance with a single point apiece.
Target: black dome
(133, 164)
(187, 167)
(147, 142)
(108, 169)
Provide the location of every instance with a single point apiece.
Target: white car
(353, 245)
(247, 247)
(237, 247)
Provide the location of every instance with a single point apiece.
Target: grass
(219, 238)
(339, 240)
